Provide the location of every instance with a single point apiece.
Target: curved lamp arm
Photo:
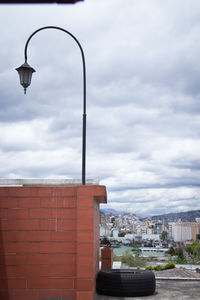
(25, 72)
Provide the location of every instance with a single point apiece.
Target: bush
(169, 265)
(150, 268)
(133, 261)
(159, 268)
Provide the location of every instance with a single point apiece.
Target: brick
(84, 295)
(68, 270)
(50, 294)
(4, 191)
(28, 248)
(63, 213)
(39, 236)
(85, 224)
(50, 270)
(38, 283)
(69, 225)
(28, 224)
(8, 225)
(59, 225)
(85, 213)
(61, 283)
(85, 248)
(25, 295)
(85, 272)
(65, 259)
(47, 224)
(69, 247)
(51, 247)
(85, 201)
(7, 271)
(5, 294)
(27, 270)
(68, 294)
(64, 191)
(29, 202)
(13, 283)
(8, 248)
(20, 191)
(16, 283)
(51, 202)
(106, 264)
(18, 213)
(85, 236)
(84, 260)
(69, 202)
(84, 284)
(42, 191)
(15, 236)
(8, 203)
(3, 213)
(66, 236)
(40, 213)
(94, 190)
(12, 259)
(38, 259)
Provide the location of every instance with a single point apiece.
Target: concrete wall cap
(46, 182)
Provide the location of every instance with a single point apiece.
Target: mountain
(187, 216)
(110, 210)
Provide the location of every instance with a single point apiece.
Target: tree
(121, 234)
(181, 257)
(171, 251)
(133, 261)
(164, 235)
(105, 241)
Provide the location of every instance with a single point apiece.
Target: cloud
(143, 70)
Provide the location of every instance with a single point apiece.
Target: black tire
(122, 282)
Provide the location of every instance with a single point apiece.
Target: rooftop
(170, 284)
(46, 182)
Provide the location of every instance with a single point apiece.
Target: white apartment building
(184, 231)
(104, 231)
(115, 233)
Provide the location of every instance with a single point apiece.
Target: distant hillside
(187, 216)
(109, 210)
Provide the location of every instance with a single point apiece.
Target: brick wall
(49, 242)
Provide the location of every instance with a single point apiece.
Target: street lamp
(25, 72)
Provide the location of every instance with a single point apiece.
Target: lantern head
(25, 74)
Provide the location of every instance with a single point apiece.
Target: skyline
(143, 99)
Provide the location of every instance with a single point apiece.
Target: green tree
(181, 257)
(171, 251)
(163, 235)
(105, 241)
(194, 251)
(121, 234)
(133, 261)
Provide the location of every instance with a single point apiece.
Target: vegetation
(133, 260)
(179, 253)
(105, 242)
(181, 259)
(122, 234)
(194, 251)
(171, 251)
(164, 236)
(169, 265)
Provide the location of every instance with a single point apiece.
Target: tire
(122, 282)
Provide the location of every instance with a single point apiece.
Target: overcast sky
(143, 99)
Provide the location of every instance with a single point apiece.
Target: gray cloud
(143, 107)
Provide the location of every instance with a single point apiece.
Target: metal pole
(84, 92)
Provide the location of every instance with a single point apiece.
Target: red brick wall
(49, 242)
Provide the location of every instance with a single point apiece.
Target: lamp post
(25, 74)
